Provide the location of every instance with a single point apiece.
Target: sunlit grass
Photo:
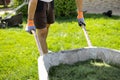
(19, 53)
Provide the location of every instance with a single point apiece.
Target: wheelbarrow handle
(37, 42)
(86, 36)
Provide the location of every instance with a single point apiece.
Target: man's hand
(80, 18)
(30, 26)
(81, 22)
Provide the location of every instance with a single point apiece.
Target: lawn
(19, 53)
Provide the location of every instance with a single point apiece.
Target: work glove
(81, 18)
(30, 26)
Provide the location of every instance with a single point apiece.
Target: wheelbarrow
(45, 62)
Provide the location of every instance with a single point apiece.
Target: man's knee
(42, 32)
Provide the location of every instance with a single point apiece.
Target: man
(38, 18)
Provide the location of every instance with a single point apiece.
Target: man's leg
(42, 35)
(47, 26)
(42, 21)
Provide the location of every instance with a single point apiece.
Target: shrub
(65, 8)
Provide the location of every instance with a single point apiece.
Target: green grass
(19, 53)
(103, 32)
(88, 70)
(2, 6)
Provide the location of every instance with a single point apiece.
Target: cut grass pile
(19, 53)
(88, 70)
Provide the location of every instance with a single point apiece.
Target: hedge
(63, 8)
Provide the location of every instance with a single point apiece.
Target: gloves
(81, 22)
(30, 26)
(80, 18)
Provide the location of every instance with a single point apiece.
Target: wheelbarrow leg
(43, 74)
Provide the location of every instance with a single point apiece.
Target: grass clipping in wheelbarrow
(87, 70)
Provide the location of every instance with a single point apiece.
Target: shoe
(49, 51)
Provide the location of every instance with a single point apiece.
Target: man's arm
(79, 4)
(31, 9)
(31, 12)
(80, 17)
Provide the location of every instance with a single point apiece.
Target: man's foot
(49, 51)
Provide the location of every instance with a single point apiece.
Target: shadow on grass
(87, 16)
(14, 27)
(95, 16)
(73, 19)
(88, 70)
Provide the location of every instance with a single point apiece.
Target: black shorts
(44, 14)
